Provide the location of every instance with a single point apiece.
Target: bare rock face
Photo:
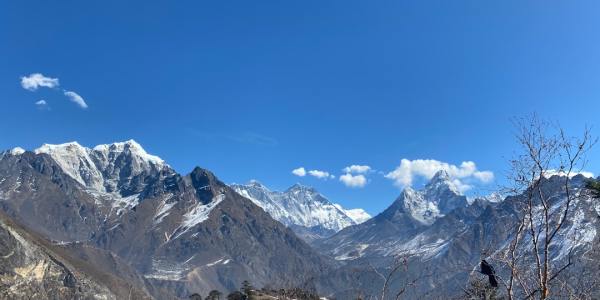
(31, 269)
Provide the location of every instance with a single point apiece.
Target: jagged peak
(17, 151)
(255, 183)
(74, 147)
(201, 172)
(132, 146)
(441, 181)
(408, 190)
(70, 146)
(440, 176)
(301, 188)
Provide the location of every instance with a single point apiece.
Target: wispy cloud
(37, 80)
(74, 97)
(299, 172)
(467, 171)
(353, 181)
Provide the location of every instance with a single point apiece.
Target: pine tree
(594, 187)
(214, 295)
(195, 296)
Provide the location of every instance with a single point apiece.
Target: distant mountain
(303, 209)
(181, 234)
(413, 211)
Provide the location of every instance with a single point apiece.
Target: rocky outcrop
(31, 268)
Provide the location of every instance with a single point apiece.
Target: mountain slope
(445, 249)
(412, 212)
(183, 234)
(303, 209)
(31, 268)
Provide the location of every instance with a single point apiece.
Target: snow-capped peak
(255, 183)
(75, 161)
(300, 205)
(440, 175)
(73, 147)
(102, 167)
(437, 198)
(494, 197)
(441, 181)
(298, 187)
(17, 151)
(132, 146)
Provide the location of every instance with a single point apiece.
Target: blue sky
(255, 89)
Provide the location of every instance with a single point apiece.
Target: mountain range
(181, 234)
(310, 214)
(113, 220)
(442, 237)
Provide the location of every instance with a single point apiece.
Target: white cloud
(36, 80)
(357, 169)
(42, 104)
(484, 176)
(74, 97)
(461, 186)
(408, 170)
(299, 172)
(321, 174)
(354, 181)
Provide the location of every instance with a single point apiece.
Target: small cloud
(299, 172)
(353, 181)
(74, 97)
(320, 174)
(357, 169)
(462, 176)
(42, 104)
(36, 80)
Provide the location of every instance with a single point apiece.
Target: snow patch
(163, 211)
(164, 270)
(198, 214)
(220, 261)
(357, 253)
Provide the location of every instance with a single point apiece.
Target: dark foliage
(195, 296)
(488, 270)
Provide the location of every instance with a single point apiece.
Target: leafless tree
(546, 150)
(400, 265)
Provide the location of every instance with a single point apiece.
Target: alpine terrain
(114, 221)
(302, 208)
(181, 234)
